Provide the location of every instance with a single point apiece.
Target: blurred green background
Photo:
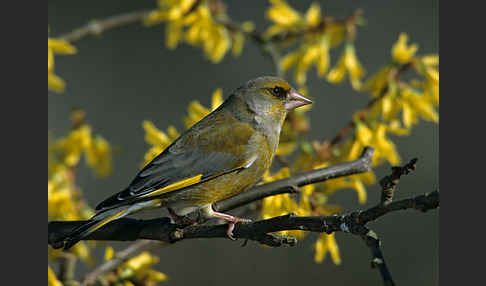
(127, 75)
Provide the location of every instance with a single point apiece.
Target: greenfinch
(220, 156)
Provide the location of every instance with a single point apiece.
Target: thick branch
(163, 230)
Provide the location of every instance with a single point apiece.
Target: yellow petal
(173, 34)
(55, 83)
(355, 151)
(409, 116)
(324, 58)
(337, 73)
(50, 61)
(356, 71)
(334, 250)
(109, 253)
(51, 278)
(402, 53)
(363, 134)
(282, 14)
(173, 133)
(238, 42)
(425, 108)
(289, 60)
(431, 60)
(154, 136)
(59, 46)
(360, 189)
(217, 98)
(313, 14)
(325, 243)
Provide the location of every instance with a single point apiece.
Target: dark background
(128, 75)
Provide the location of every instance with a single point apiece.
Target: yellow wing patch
(108, 220)
(176, 186)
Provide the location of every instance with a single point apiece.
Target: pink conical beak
(295, 100)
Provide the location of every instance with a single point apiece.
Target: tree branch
(161, 229)
(131, 229)
(97, 27)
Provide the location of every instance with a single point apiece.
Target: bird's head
(271, 95)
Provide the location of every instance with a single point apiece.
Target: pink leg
(232, 220)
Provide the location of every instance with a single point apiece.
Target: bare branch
(97, 27)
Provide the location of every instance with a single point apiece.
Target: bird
(220, 156)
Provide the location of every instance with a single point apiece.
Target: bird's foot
(232, 220)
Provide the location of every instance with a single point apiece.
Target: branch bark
(161, 229)
(97, 27)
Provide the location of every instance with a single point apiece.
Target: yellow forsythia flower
(420, 104)
(402, 53)
(51, 278)
(348, 63)
(327, 243)
(284, 17)
(191, 21)
(309, 54)
(56, 46)
(98, 156)
(109, 253)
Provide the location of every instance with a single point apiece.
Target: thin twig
(378, 261)
(97, 27)
(389, 183)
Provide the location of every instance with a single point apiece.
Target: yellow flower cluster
(67, 151)
(397, 107)
(64, 199)
(283, 204)
(192, 21)
(320, 35)
(136, 271)
(56, 46)
(347, 64)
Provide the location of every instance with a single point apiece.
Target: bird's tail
(94, 223)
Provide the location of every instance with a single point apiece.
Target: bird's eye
(277, 91)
